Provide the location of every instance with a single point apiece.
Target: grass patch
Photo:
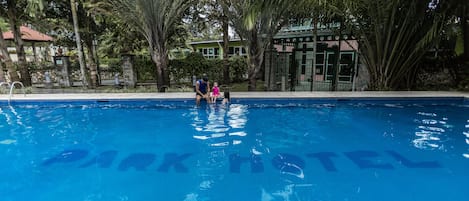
(243, 86)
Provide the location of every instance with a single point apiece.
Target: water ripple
(431, 133)
(466, 133)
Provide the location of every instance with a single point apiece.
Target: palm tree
(256, 22)
(393, 36)
(157, 21)
(81, 59)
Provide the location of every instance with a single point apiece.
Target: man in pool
(202, 90)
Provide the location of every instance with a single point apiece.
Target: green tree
(6, 59)
(210, 15)
(93, 26)
(14, 12)
(393, 35)
(460, 10)
(81, 60)
(256, 22)
(325, 12)
(158, 21)
(118, 37)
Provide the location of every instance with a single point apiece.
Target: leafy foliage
(195, 64)
(256, 22)
(393, 36)
(158, 21)
(145, 69)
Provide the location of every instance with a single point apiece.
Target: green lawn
(244, 86)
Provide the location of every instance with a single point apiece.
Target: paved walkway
(234, 95)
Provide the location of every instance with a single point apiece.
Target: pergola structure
(30, 36)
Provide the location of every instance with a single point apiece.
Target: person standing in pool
(202, 90)
(226, 97)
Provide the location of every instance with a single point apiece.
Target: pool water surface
(251, 149)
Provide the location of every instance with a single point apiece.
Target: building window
(319, 64)
(330, 66)
(320, 59)
(210, 53)
(236, 51)
(346, 67)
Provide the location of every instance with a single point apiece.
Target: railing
(12, 86)
(5, 83)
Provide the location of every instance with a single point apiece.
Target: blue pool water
(250, 150)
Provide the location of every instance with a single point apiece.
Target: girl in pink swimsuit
(215, 92)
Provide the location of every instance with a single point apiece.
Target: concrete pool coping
(234, 95)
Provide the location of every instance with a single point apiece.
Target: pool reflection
(430, 131)
(466, 133)
(222, 125)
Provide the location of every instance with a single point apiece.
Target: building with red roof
(31, 38)
(29, 35)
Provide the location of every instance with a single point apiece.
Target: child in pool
(215, 92)
(226, 97)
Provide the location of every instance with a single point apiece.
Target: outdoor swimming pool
(250, 150)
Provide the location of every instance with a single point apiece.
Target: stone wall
(38, 77)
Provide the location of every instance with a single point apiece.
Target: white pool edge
(234, 95)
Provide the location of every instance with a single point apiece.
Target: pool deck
(234, 95)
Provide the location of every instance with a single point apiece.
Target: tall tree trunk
(160, 58)
(81, 60)
(34, 52)
(254, 68)
(2, 74)
(19, 43)
(96, 60)
(226, 41)
(256, 57)
(23, 67)
(335, 77)
(7, 60)
(93, 66)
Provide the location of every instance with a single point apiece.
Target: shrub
(195, 64)
(238, 69)
(146, 70)
(182, 70)
(114, 65)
